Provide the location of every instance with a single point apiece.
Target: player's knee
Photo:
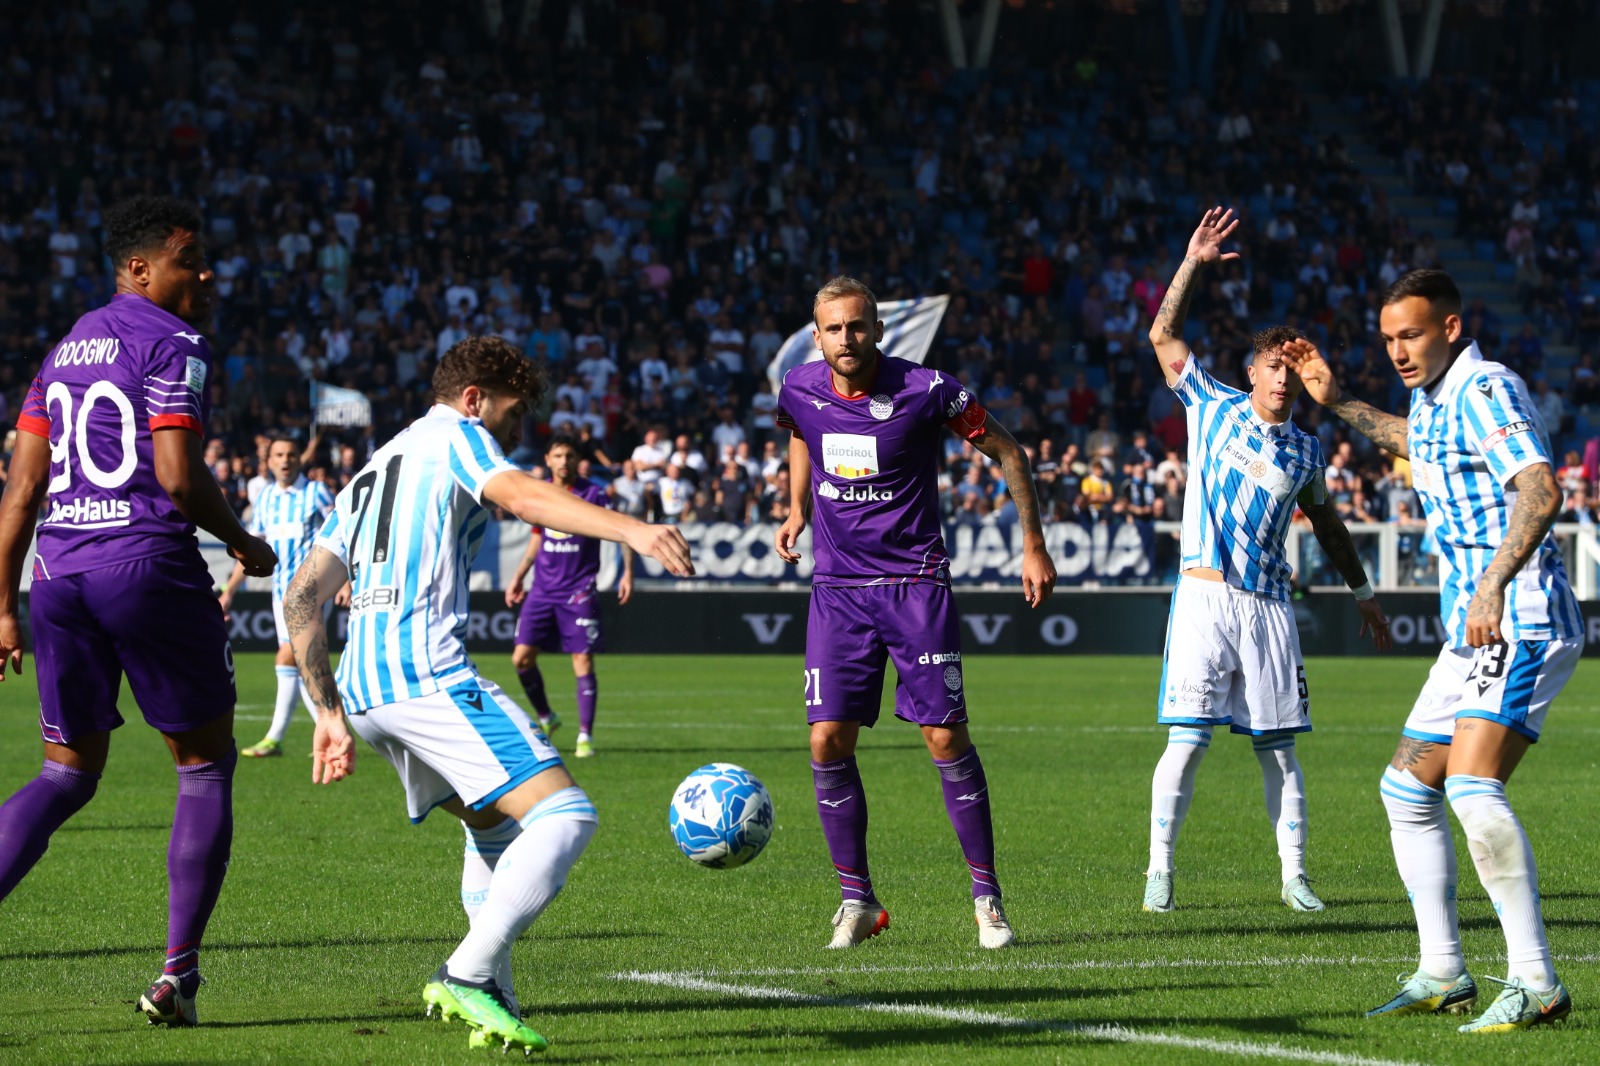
(831, 745)
(523, 657)
(285, 655)
(582, 663)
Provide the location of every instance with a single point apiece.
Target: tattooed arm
(1381, 428)
(319, 577)
(1334, 536)
(1538, 503)
(1038, 572)
(1166, 329)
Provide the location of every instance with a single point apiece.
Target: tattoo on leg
(1411, 752)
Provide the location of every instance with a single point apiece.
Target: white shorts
(468, 740)
(1513, 684)
(1233, 659)
(283, 627)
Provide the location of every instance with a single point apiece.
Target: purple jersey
(126, 370)
(874, 469)
(569, 563)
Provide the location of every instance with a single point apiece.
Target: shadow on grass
(348, 942)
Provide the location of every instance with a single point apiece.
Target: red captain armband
(39, 427)
(969, 423)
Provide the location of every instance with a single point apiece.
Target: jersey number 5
(362, 491)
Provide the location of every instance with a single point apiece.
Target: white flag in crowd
(908, 330)
(333, 406)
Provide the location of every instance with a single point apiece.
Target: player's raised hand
(789, 536)
(256, 556)
(1038, 575)
(1206, 244)
(666, 545)
(333, 750)
(1304, 359)
(1373, 620)
(11, 644)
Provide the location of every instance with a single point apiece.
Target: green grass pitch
(337, 910)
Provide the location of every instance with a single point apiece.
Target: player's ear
(1452, 328)
(877, 333)
(139, 270)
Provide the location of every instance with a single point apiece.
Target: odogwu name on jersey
(1468, 435)
(408, 527)
(1245, 478)
(569, 563)
(874, 469)
(124, 371)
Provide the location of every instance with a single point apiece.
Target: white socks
(483, 851)
(1172, 788)
(529, 872)
(1425, 854)
(1285, 788)
(1504, 860)
(283, 707)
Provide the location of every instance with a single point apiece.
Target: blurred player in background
(562, 609)
(1233, 650)
(110, 442)
(404, 533)
(287, 514)
(1480, 460)
(866, 438)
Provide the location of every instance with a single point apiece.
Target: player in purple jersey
(562, 609)
(110, 441)
(864, 451)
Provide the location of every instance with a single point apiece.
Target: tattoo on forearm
(317, 673)
(302, 614)
(1338, 544)
(1019, 482)
(1381, 428)
(1174, 307)
(1411, 752)
(1538, 503)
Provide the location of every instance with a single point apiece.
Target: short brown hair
(491, 363)
(1272, 338)
(839, 287)
(1435, 286)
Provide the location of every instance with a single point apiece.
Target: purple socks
(588, 694)
(197, 861)
(37, 810)
(966, 800)
(842, 806)
(533, 687)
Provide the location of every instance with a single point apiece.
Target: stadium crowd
(645, 205)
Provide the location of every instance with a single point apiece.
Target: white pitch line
(1111, 1033)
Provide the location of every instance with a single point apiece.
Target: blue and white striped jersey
(1245, 475)
(408, 527)
(1469, 434)
(288, 519)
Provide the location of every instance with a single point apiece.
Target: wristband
(1363, 593)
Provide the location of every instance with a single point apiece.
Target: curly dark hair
(493, 364)
(140, 223)
(1272, 338)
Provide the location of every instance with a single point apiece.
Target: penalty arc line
(1110, 1033)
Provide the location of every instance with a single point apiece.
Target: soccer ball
(721, 816)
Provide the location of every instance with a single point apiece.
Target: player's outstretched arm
(1381, 428)
(1340, 546)
(516, 592)
(333, 752)
(799, 499)
(19, 513)
(181, 469)
(1538, 504)
(539, 503)
(1038, 571)
(1166, 329)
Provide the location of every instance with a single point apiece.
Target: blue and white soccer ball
(721, 816)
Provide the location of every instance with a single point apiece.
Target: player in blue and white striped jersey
(1233, 650)
(405, 531)
(287, 514)
(1481, 462)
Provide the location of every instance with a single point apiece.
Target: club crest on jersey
(881, 406)
(952, 678)
(850, 455)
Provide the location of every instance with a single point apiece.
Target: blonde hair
(838, 288)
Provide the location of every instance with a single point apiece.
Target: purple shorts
(156, 620)
(852, 631)
(570, 624)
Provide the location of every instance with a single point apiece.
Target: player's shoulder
(805, 376)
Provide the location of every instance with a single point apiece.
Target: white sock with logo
(1285, 788)
(1172, 788)
(283, 706)
(1425, 854)
(483, 850)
